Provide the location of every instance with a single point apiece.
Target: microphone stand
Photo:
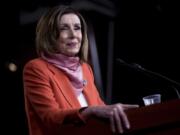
(153, 74)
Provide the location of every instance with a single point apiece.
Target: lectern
(157, 119)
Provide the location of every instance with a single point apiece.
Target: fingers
(115, 121)
(118, 121)
(127, 106)
(112, 124)
(122, 114)
(116, 115)
(124, 118)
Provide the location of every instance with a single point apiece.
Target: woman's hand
(115, 113)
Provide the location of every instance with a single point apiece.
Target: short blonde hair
(47, 31)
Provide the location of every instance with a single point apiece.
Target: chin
(72, 54)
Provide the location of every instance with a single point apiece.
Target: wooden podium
(158, 119)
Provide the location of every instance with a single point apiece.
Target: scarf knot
(71, 66)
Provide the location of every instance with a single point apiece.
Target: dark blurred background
(143, 32)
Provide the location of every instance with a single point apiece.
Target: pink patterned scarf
(71, 66)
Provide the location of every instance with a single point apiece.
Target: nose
(72, 33)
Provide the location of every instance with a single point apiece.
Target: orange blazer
(49, 99)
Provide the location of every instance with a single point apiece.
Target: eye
(77, 27)
(62, 28)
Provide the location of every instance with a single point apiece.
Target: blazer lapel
(87, 88)
(64, 86)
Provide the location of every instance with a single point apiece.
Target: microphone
(139, 68)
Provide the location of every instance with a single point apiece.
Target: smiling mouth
(71, 44)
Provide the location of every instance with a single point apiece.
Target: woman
(59, 85)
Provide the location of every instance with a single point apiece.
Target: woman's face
(70, 37)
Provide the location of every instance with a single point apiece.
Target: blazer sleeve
(39, 96)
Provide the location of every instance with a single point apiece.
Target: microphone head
(121, 61)
(137, 66)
